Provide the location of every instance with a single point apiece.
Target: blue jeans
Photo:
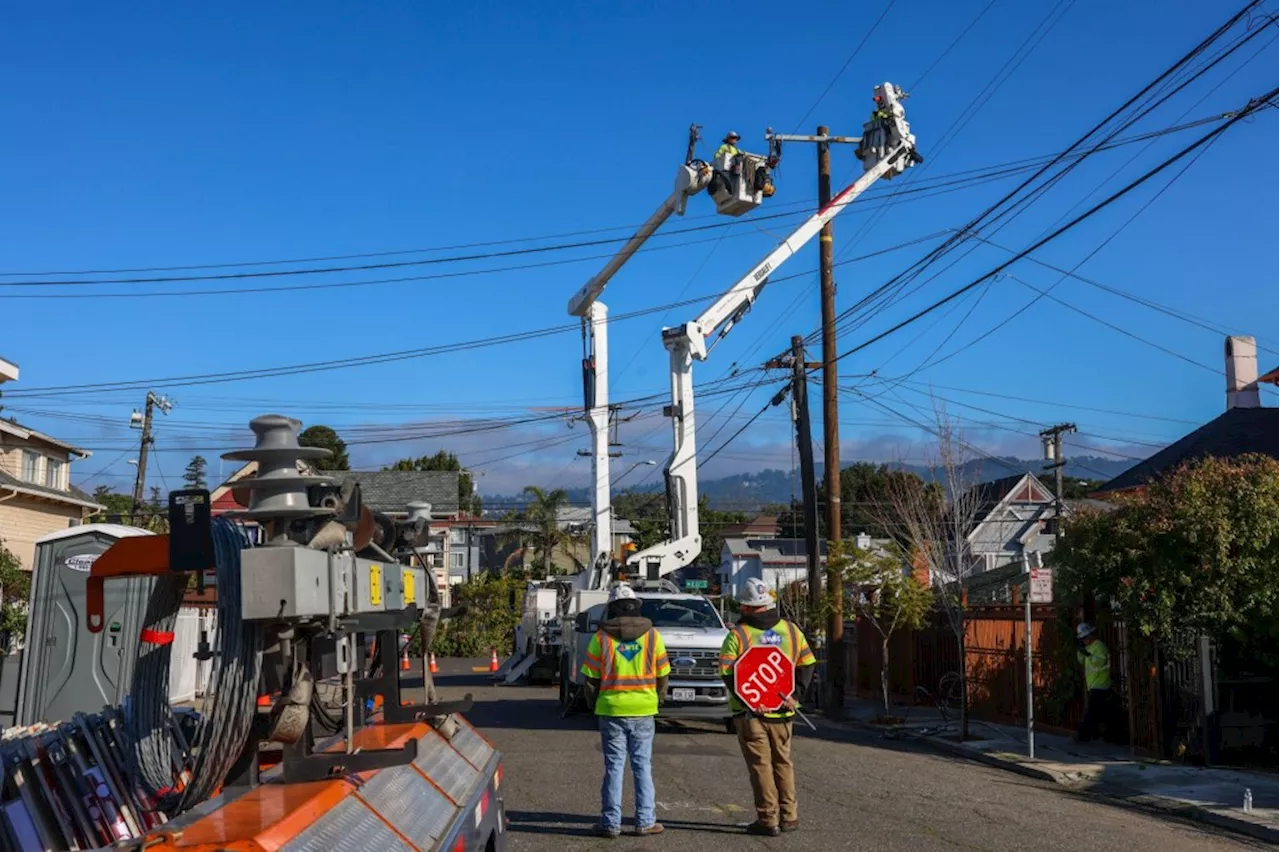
(622, 737)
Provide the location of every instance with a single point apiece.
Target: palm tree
(542, 518)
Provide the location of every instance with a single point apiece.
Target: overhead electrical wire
(991, 211)
(1253, 107)
(848, 60)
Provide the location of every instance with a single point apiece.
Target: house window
(53, 469)
(457, 535)
(457, 561)
(30, 466)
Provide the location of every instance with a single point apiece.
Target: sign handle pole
(800, 713)
(1031, 727)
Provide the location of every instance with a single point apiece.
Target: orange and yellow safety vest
(628, 673)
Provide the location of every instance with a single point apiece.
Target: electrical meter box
(65, 668)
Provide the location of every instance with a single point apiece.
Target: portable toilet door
(65, 668)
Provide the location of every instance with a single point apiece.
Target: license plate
(683, 694)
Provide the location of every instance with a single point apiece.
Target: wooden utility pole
(808, 480)
(140, 480)
(1053, 453)
(830, 405)
(830, 429)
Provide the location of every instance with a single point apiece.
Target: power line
(409, 354)
(952, 46)
(845, 66)
(1254, 106)
(978, 221)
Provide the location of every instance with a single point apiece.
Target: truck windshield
(693, 612)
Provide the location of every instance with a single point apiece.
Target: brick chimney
(1242, 372)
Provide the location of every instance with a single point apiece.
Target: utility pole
(140, 481)
(1052, 438)
(831, 428)
(804, 446)
(830, 403)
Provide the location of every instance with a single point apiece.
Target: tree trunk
(884, 672)
(546, 562)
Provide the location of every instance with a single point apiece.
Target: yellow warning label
(408, 588)
(375, 585)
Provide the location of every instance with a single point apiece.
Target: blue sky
(154, 135)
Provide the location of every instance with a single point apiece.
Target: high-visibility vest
(1097, 665)
(628, 673)
(726, 148)
(783, 635)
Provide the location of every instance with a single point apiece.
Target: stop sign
(763, 677)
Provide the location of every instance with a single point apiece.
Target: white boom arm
(887, 149)
(690, 180)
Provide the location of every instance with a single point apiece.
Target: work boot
(656, 828)
(607, 832)
(791, 825)
(761, 830)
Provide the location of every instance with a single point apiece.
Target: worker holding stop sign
(766, 662)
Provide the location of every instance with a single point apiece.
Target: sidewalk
(1210, 795)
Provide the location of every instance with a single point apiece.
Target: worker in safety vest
(1097, 676)
(765, 738)
(626, 671)
(729, 145)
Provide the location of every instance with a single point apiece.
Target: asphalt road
(857, 791)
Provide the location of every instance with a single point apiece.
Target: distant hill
(749, 491)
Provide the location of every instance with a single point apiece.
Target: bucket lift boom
(743, 185)
(887, 148)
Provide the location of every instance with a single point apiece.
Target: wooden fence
(924, 669)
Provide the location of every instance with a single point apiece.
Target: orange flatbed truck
(448, 799)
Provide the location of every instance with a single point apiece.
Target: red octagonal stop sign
(764, 677)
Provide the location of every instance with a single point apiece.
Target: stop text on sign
(764, 677)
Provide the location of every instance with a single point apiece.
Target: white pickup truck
(693, 633)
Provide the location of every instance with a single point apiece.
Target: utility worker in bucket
(765, 738)
(626, 671)
(1097, 676)
(730, 145)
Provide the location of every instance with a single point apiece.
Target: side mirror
(581, 622)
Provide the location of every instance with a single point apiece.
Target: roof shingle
(393, 490)
(1235, 432)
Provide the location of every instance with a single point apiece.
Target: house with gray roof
(36, 494)
(776, 561)
(391, 491)
(1245, 427)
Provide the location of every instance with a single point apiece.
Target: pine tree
(194, 476)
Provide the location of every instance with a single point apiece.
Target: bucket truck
(737, 183)
(886, 149)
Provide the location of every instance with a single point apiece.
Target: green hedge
(494, 608)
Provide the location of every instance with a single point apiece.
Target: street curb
(1155, 804)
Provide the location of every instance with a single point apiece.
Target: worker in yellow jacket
(765, 738)
(1097, 678)
(626, 671)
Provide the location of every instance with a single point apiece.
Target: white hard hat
(1083, 629)
(754, 592)
(622, 592)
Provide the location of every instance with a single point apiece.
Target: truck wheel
(729, 726)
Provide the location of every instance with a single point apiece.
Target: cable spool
(230, 703)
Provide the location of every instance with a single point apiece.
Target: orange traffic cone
(493, 659)
(404, 660)
(434, 668)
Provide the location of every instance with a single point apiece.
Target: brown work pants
(767, 748)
